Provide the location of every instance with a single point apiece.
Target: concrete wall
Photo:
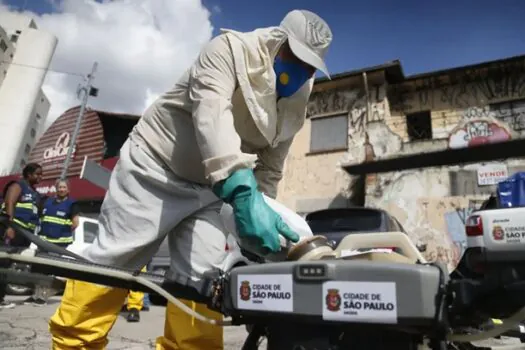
(315, 181)
(483, 105)
(312, 181)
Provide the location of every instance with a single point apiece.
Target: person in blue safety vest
(21, 204)
(58, 222)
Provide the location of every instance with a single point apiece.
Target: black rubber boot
(134, 315)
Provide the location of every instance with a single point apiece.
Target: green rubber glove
(256, 222)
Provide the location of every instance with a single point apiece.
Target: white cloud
(216, 9)
(141, 46)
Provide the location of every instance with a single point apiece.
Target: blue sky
(424, 35)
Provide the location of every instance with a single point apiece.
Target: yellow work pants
(136, 299)
(88, 312)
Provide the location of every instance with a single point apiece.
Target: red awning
(80, 189)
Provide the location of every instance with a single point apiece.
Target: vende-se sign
(59, 151)
(491, 174)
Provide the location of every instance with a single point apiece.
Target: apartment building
(25, 56)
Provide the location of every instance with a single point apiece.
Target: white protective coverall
(221, 116)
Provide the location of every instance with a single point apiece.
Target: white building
(25, 56)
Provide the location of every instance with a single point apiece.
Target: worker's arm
(74, 216)
(269, 167)
(11, 198)
(212, 84)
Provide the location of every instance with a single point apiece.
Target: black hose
(39, 242)
(174, 288)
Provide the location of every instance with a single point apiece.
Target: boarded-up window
(329, 133)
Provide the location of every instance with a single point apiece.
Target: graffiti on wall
(422, 203)
(461, 90)
(329, 101)
(354, 102)
(455, 226)
(477, 132)
(423, 220)
(510, 113)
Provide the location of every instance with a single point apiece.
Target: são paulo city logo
(498, 233)
(333, 300)
(245, 290)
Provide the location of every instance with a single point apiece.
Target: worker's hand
(255, 220)
(10, 233)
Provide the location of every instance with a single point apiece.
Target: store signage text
(46, 189)
(60, 149)
(491, 174)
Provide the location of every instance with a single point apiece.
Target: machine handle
(384, 239)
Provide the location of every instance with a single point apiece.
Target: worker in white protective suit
(220, 135)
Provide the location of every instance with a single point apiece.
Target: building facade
(379, 113)
(100, 138)
(25, 56)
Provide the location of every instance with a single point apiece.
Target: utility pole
(87, 90)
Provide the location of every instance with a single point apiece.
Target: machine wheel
(15, 289)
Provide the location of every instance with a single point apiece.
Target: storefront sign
(59, 151)
(492, 174)
(46, 189)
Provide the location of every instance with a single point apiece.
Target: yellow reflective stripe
(23, 224)
(56, 220)
(25, 205)
(58, 240)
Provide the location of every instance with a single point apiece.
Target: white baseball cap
(309, 37)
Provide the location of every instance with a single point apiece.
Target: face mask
(290, 77)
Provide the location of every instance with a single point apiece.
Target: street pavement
(25, 328)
